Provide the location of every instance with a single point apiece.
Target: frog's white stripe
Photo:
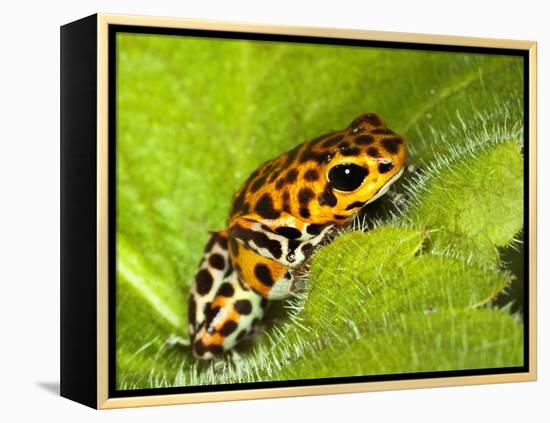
(297, 256)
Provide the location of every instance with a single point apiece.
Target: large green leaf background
(196, 116)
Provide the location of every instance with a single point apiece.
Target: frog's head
(363, 164)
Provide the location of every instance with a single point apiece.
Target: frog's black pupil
(347, 177)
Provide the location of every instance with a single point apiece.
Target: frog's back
(296, 183)
(268, 189)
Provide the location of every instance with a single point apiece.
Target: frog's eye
(347, 177)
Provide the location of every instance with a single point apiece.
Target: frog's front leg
(286, 241)
(266, 253)
(267, 277)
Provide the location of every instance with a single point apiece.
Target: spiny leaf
(474, 203)
(458, 340)
(353, 268)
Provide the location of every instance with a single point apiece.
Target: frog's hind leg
(214, 266)
(268, 278)
(229, 318)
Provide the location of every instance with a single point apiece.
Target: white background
(29, 223)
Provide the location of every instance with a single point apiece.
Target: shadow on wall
(51, 387)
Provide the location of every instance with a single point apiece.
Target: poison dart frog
(280, 214)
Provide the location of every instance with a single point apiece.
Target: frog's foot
(236, 358)
(413, 169)
(399, 199)
(176, 341)
(256, 331)
(219, 364)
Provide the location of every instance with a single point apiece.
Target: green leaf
(195, 116)
(351, 270)
(425, 295)
(458, 340)
(473, 200)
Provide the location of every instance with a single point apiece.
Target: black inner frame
(112, 53)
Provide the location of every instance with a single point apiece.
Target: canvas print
(302, 211)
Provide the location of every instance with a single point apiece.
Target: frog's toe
(235, 357)
(414, 169)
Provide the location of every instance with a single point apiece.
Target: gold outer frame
(103, 400)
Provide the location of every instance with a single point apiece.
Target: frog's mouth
(384, 188)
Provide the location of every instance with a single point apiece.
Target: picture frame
(96, 51)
